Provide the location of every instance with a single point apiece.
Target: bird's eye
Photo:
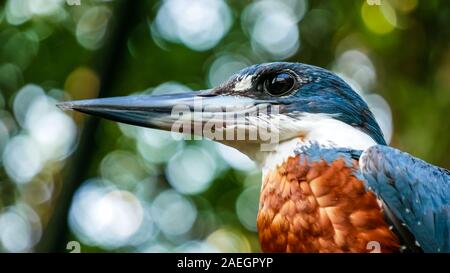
(279, 84)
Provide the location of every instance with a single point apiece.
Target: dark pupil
(279, 84)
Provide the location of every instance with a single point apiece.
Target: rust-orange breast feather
(320, 207)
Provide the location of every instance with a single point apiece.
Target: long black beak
(165, 111)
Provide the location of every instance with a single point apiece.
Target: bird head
(262, 104)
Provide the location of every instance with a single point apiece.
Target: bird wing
(415, 192)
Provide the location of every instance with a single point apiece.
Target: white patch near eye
(244, 84)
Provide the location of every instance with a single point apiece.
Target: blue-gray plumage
(315, 153)
(416, 192)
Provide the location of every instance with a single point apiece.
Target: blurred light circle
(277, 34)
(20, 11)
(170, 88)
(272, 26)
(23, 101)
(92, 27)
(191, 171)
(14, 232)
(122, 211)
(44, 7)
(199, 24)
(247, 206)
(122, 168)
(22, 159)
(53, 130)
(356, 65)
(235, 158)
(105, 216)
(20, 228)
(225, 66)
(173, 213)
(156, 146)
(82, 83)
(83, 220)
(379, 19)
(17, 11)
(229, 240)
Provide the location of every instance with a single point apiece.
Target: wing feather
(416, 192)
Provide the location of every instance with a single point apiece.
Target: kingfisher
(330, 182)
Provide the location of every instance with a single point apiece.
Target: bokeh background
(112, 187)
